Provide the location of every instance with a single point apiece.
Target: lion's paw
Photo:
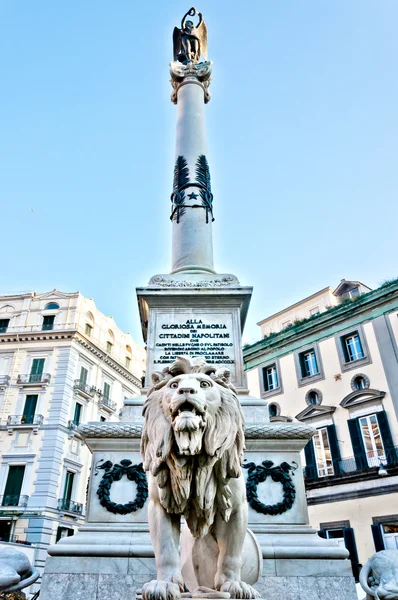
(161, 590)
(239, 589)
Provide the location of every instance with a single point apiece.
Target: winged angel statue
(190, 42)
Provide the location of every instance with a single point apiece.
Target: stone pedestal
(111, 556)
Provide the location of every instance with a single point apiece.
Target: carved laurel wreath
(281, 474)
(134, 473)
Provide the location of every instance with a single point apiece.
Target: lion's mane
(194, 486)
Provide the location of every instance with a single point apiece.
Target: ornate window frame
(302, 381)
(279, 390)
(354, 364)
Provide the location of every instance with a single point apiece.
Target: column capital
(196, 73)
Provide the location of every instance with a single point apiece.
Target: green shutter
(68, 485)
(311, 471)
(77, 414)
(83, 375)
(13, 487)
(334, 448)
(357, 444)
(29, 410)
(37, 366)
(377, 537)
(349, 541)
(391, 453)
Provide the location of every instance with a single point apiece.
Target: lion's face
(187, 401)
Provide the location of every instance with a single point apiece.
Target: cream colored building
(62, 363)
(336, 367)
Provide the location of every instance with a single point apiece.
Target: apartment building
(62, 363)
(331, 360)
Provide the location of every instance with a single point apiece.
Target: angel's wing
(176, 42)
(201, 32)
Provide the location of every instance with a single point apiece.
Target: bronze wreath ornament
(258, 474)
(134, 473)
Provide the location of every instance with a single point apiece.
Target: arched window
(111, 334)
(273, 409)
(7, 309)
(360, 382)
(313, 397)
(51, 306)
(90, 316)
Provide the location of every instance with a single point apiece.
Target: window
(286, 324)
(359, 383)
(313, 397)
(308, 363)
(48, 323)
(29, 410)
(270, 378)
(390, 535)
(36, 371)
(372, 440)
(68, 487)
(4, 325)
(323, 455)
(83, 375)
(51, 306)
(128, 362)
(273, 409)
(88, 329)
(109, 347)
(64, 532)
(352, 347)
(107, 390)
(102, 419)
(77, 414)
(314, 311)
(13, 487)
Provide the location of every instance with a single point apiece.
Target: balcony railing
(4, 380)
(13, 501)
(107, 403)
(33, 378)
(70, 506)
(82, 386)
(355, 464)
(19, 420)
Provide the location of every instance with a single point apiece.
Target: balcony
(107, 404)
(4, 381)
(347, 467)
(70, 506)
(34, 379)
(24, 422)
(85, 390)
(13, 501)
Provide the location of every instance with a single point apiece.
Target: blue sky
(302, 131)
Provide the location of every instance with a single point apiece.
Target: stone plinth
(111, 556)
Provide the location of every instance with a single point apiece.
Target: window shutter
(322, 533)
(357, 443)
(349, 541)
(378, 537)
(385, 433)
(310, 461)
(29, 409)
(37, 366)
(334, 448)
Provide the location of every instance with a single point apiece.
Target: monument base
(118, 578)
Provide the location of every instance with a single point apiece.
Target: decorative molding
(224, 281)
(315, 410)
(263, 431)
(194, 73)
(361, 396)
(115, 473)
(258, 474)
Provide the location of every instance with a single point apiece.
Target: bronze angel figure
(190, 42)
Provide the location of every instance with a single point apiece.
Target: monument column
(192, 216)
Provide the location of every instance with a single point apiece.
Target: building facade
(62, 363)
(332, 361)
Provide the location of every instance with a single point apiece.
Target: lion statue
(379, 576)
(192, 445)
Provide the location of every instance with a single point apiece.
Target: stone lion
(192, 445)
(379, 576)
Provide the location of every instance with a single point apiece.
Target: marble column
(192, 245)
